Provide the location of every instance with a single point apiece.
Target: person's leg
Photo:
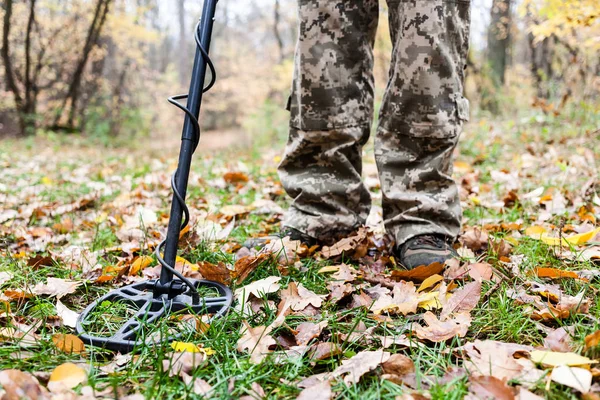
(331, 113)
(421, 117)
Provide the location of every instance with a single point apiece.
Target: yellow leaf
(553, 358)
(181, 347)
(67, 375)
(535, 231)
(68, 343)
(429, 282)
(139, 264)
(574, 240)
(429, 301)
(330, 268)
(46, 181)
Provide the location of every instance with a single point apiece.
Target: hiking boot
(424, 250)
(292, 233)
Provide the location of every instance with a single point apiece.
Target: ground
(89, 217)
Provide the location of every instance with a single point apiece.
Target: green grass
(491, 145)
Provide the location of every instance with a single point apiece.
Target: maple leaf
(360, 364)
(404, 300)
(438, 331)
(256, 341)
(462, 301)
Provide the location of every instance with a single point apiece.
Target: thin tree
(498, 40)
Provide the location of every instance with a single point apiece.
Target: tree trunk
(276, 20)
(72, 96)
(499, 40)
(184, 57)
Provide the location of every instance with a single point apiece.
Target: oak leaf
(21, 385)
(438, 331)
(462, 301)
(308, 331)
(360, 364)
(256, 341)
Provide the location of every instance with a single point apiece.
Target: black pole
(187, 138)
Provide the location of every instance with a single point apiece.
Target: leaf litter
(361, 317)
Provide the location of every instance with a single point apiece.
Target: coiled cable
(174, 100)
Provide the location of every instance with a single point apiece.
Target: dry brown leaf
(256, 341)
(430, 282)
(492, 358)
(68, 343)
(308, 331)
(418, 274)
(319, 391)
(560, 339)
(21, 385)
(361, 300)
(345, 273)
(218, 273)
(324, 350)
(22, 334)
(286, 250)
(339, 290)
(346, 245)
(438, 331)
(490, 387)
(17, 294)
(480, 271)
(475, 239)
(298, 297)
(462, 301)
(199, 386)
(245, 265)
(405, 300)
(399, 365)
(183, 362)
(360, 364)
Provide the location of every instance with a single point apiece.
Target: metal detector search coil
(155, 299)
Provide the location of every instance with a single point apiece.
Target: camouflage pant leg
(421, 117)
(331, 114)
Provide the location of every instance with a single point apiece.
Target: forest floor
(516, 317)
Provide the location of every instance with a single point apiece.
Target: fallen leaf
(560, 340)
(462, 301)
(235, 177)
(555, 273)
(180, 347)
(139, 264)
(579, 379)
(21, 334)
(475, 239)
(345, 245)
(69, 317)
(324, 350)
(345, 274)
(21, 385)
(360, 364)
(218, 273)
(298, 297)
(338, 290)
(57, 287)
(480, 271)
(493, 358)
(199, 386)
(308, 331)
(429, 301)
(184, 362)
(404, 300)
(592, 340)
(490, 387)
(68, 343)
(399, 365)
(438, 331)
(430, 282)
(554, 359)
(256, 341)
(319, 391)
(418, 274)
(66, 376)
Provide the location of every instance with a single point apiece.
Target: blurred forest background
(104, 68)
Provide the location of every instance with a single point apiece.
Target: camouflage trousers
(420, 118)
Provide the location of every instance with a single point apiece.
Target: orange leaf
(555, 273)
(17, 294)
(68, 343)
(418, 274)
(139, 264)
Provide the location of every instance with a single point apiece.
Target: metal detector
(172, 293)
